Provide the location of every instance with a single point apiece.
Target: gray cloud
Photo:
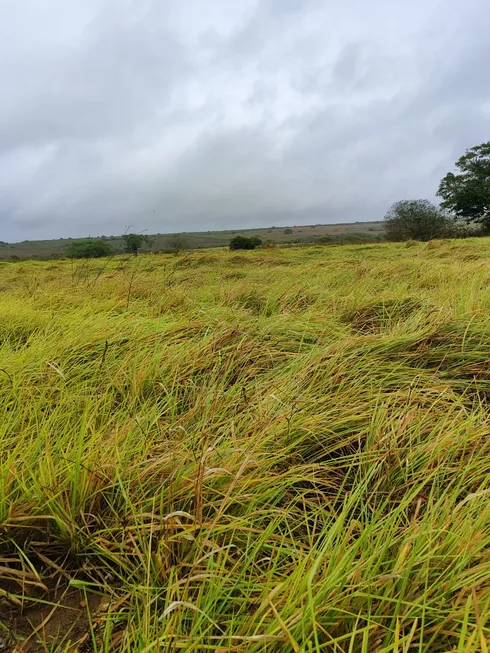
(217, 114)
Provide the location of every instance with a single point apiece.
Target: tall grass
(286, 452)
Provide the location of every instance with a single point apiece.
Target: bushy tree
(134, 242)
(91, 248)
(241, 242)
(288, 231)
(416, 220)
(177, 243)
(467, 194)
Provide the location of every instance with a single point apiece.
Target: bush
(241, 242)
(417, 220)
(288, 231)
(89, 249)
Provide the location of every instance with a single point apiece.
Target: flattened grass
(289, 452)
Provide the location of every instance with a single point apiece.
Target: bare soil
(58, 620)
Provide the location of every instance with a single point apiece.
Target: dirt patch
(59, 620)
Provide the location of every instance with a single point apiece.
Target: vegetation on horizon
(466, 199)
(265, 451)
(352, 233)
(240, 242)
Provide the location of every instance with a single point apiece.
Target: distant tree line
(131, 243)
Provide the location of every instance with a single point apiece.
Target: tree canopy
(467, 194)
(134, 242)
(416, 220)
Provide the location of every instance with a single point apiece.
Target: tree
(288, 231)
(90, 248)
(134, 242)
(416, 220)
(177, 243)
(467, 194)
(241, 242)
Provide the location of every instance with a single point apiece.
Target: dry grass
(293, 460)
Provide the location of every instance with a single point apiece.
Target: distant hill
(351, 232)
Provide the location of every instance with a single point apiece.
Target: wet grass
(285, 452)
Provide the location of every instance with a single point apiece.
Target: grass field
(281, 450)
(358, 231)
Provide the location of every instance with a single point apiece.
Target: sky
(197, 115)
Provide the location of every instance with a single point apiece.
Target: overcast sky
(210, 114)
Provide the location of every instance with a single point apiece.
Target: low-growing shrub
(241, 242)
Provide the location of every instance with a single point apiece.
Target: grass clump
(375, 314)
(297, 460)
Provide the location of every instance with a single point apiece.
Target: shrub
(416, 220)
(89, 249)
(241, 242)
(288, 231)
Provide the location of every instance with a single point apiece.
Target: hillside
(195, 240)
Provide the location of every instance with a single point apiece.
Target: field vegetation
(264, 451)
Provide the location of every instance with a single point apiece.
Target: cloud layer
(214, 114)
